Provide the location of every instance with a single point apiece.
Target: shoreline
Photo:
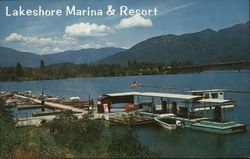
(136, 69)
(116, 76)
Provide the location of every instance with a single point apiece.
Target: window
(206, 96)
(214, 95)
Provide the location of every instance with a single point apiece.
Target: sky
(52, 34)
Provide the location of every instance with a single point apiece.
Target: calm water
(187, 143)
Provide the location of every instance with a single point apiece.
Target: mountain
(81, 56)
(9, 57)
(204, 47)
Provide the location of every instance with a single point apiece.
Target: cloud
(134, 21)
(69, 40)
(96, 46)
(91, 45)
(85, 46)
(176, 8)
(15, 37)
(86, 30)
(38, 44)
(126, 47)
(50, 50)
(109, 44)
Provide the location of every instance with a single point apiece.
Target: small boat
(130, 107)
(170, 123)
(75, 98)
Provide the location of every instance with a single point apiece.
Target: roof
(207, 90)
(214, 100)
(121, 94)
(154, 94)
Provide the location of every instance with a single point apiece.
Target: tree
(42, 65)
(19, 70)
(75, 132)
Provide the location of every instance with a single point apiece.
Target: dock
(36, 121)
(29, 106)
(55, 112)
(54, 105)
(137, 120)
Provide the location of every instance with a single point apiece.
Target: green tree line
(69, 70)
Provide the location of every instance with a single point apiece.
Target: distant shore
(69, 70)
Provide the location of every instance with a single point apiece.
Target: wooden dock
(54, 112)
(138, 120)
(54, 105)
(29, 106)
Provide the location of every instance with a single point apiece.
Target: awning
(154, 94)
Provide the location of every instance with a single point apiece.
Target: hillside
(9, 57)
(204, 47)
(81, 56)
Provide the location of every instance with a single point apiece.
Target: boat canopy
(155, 94)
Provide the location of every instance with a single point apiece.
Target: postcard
(124, 79)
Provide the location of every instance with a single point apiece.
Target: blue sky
(43, 35)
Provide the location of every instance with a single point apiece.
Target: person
(133, 85)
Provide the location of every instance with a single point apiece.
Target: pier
(54, 105)
(34, 114)
(136, 120)
(29, 106)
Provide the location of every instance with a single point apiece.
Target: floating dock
(55, 112)
(54, 105)
(29, 106)
(136, 120)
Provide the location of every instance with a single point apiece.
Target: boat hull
(171, 125)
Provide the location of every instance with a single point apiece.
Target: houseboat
(208, 104)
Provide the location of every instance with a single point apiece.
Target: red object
(70, 101)
(130, 107)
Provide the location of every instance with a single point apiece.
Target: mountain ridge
(203, 47)
(9, 57)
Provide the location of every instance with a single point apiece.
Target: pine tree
(42, 65)
(19, 70)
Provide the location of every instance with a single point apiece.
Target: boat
(130, 107)
(76, 102)
(169, 123)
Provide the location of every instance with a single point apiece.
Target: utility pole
(42, 101)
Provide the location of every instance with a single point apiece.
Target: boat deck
(221, 128)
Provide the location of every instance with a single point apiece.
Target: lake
(186, 143)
